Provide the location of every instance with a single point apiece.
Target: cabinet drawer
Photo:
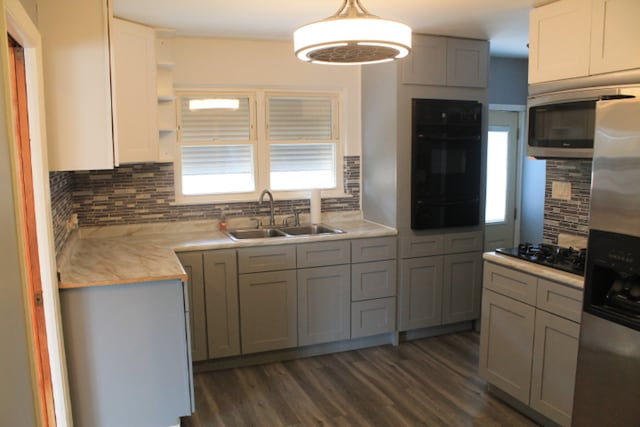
(560, 300)
(373, 317)
(267, 258)
(364, 250)
(324, 253)
(511, 283)
(373, 280)
(418, 246)
(463, 242)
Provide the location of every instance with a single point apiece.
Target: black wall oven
(446, 163)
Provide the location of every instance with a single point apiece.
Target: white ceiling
(504, 22)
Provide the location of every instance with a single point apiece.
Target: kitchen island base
(128, 354)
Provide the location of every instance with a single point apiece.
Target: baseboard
(520, 407)
(293, 353)
(393, 338)
(435, 331)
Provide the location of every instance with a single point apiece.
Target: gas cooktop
(566, 259)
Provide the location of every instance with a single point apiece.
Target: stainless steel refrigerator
(607, 391)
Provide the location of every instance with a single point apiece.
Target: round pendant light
(352, 36)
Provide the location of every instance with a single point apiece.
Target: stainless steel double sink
(283, 231)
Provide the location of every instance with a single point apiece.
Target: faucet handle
(257, 220)
(295, 216)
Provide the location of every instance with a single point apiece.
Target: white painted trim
(521, 110)
(22, 29)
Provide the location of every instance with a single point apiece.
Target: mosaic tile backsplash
(567, 216)
(143, 193)
(61, 205)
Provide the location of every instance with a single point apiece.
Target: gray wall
(16, 398)
(379, 148)
(508, 81)
(508, 86)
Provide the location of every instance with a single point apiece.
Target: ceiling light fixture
(352, 36)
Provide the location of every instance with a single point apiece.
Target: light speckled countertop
(549, 273)
(127, 254)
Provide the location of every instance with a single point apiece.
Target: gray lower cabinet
(420, 292)
(268, 311)
(221, 296)
(371, 280)
(373, 286)
(323, 253)
(529, 339)
(372, 317)
(462, 287)
(192, 264)
(506, 351)
(127, 353)
(554, 366)
(265, 298)
(266, 258)
(324, 304)
(440, 279)
(213, 299)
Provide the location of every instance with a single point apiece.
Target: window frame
(258, 106)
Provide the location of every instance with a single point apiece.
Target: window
(497, 158)
(234, 144)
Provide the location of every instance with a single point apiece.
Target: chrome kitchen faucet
(272, 218)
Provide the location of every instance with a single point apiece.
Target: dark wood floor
(427, 382)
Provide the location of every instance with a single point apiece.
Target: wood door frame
(19, 25)
(27, 222)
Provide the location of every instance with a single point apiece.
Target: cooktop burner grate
(566, 259)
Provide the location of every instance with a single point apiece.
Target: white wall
(31, 8)
(268, 64)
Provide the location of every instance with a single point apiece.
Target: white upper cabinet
(578, 38)
(445, 61)
(75, 38)
(615, 40)
(559, 40)
(100, 86)
(134, 91)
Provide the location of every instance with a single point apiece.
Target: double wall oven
(446, 163)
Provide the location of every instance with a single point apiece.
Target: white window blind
(213, 158)
(300, 118)
(217, 169)
(215, 124)
(303, 166)
(302, 162)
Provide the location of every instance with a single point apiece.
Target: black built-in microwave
(446, 163)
